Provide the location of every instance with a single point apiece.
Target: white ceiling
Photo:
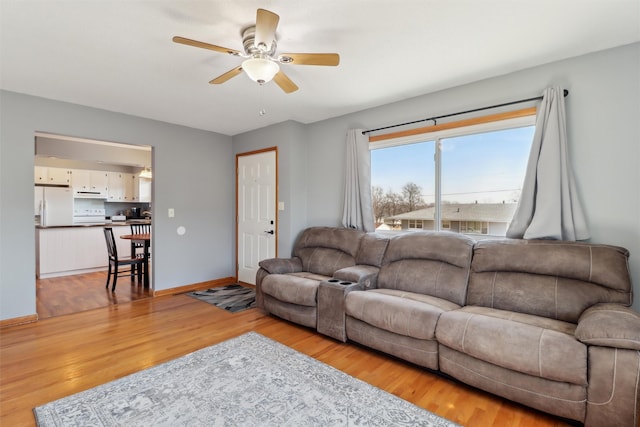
(118, 55)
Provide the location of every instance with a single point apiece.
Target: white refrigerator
(54, 205)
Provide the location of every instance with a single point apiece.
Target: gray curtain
(549, 207)
(358, 210)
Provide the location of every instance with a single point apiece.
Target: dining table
(145, 239)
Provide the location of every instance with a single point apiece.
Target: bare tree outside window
(412, 194)
(390, 203)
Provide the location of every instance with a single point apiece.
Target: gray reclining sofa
(542, 323)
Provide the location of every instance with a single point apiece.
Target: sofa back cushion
(372, 249)
(429, 263)
(554, 279)
(323, 250)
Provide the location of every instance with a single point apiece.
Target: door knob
(269, 231)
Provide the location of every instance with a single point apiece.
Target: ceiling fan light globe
(260, 70)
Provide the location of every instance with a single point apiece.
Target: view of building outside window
(481, 178)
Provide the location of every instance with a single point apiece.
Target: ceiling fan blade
(285, 83)
(203, 45)
(330, 59)
(226, 76)
(266, 24)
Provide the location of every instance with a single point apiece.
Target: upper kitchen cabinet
(131, 182)
(53, 176)
(144, 190)
(116, 187)
(123, 187)
(40, 174)
(90, 183)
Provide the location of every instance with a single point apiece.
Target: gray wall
(194, 170)
(603, 126)
(193, 174)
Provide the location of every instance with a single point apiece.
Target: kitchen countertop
(98, 224)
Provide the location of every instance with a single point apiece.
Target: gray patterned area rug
(233, 298)
(250, 380)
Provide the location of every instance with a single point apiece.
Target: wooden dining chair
(134, 263)
(137, 248)
(138, 229)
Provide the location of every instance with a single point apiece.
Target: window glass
(471, 178)
(402, 180)
(482, 177)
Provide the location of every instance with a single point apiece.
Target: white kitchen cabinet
(73, 250)
(49, 175)
(131, 187)
(144, 190)
(123, 187)
(40, 174)
(89, 181)
(67, 249)
(116, 187)
(100, 181)
(80, 180)
(59, 176)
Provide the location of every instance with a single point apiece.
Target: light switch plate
(280, 206)
(171, 213)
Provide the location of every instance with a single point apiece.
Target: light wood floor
(58, 296)
(55, 357)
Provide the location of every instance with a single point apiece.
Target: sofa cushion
(324, 250)
(324, 261)
(536, 346)
(452, 248)
(429, 263)
(294, 288)
(372, 249)
(548, 278)
(404, 313)
(345, 239)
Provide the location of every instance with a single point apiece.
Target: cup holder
(339, 282)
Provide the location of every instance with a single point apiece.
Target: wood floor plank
(58, 356)
(58, 296)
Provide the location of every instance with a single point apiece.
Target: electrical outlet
(171, 213)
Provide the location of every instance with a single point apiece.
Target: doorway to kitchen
(81, 187)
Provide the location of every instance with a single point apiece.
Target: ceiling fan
(261, 63)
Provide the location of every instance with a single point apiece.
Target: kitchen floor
(72, 294)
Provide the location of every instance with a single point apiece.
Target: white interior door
(257, 220)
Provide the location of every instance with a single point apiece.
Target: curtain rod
(537, 98)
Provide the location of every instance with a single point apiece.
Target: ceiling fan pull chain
(261, 111)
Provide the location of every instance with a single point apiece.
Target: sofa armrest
(281, 265)
(610, 325)
(365, 275)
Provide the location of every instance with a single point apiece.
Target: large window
(466, 179)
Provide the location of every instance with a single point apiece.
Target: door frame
(275, 207)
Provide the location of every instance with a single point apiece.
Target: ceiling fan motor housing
(249, 43)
